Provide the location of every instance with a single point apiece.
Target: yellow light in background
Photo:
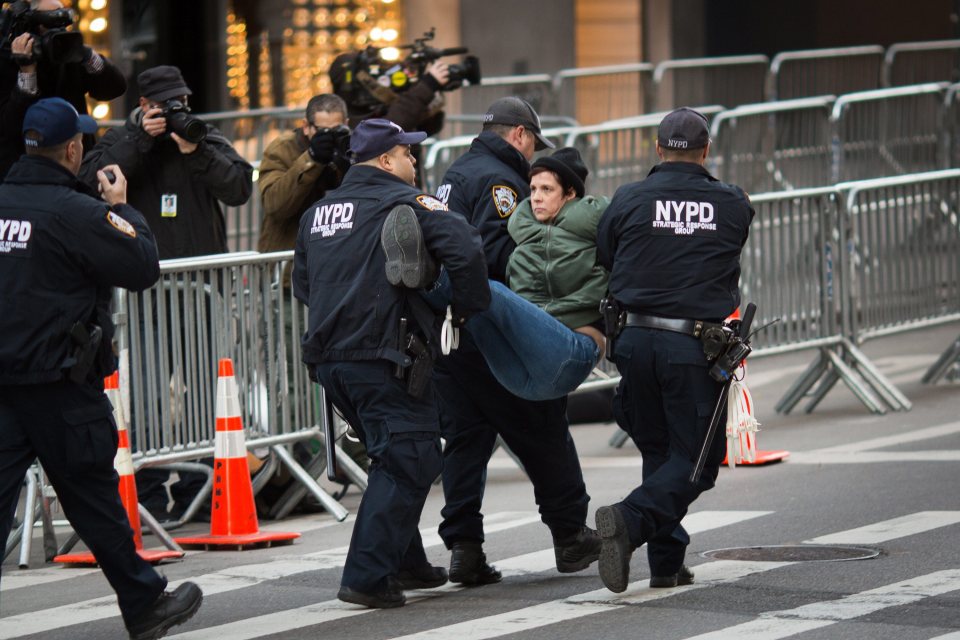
(101, 111)
(390, 35)
(97, 5)
(390, 53)
(98, 24)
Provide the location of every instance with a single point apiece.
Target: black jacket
(486, 184)
(72, 82)
(672, 243)
(61, 252)
(339, 266)
(154, 167)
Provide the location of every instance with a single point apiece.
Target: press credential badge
(168, 205)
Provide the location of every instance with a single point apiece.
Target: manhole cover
(793, 553)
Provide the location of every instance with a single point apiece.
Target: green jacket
(555, 265)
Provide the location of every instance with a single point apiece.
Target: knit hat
(568, 164)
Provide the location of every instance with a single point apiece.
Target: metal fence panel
(919, 62)
(773, 146)
(201, 310)
(537, 89)
(887, 132)
(729, 81)
(599, 94)
(820, 72)
(904, 243)
(788, 269)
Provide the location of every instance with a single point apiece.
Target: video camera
(179, 121)
(56, 45)
(422, 54)
(358, 79)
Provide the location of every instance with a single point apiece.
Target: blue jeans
(530, 352)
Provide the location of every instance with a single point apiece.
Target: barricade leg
(803, 384)
(947, 363)
(886, 389)
(619, 438)
(29, 517)
(331, 505)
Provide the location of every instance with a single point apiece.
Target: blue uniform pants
(70, 428)
(402, 437)
(665, 400)
(475, 408)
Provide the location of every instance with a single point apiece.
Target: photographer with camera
(41, 58)
(179, 167)
(298, 168)
(409, 92)
(672, 244)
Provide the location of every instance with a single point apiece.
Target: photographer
(33, 67)
(179, 167)
(298, 168)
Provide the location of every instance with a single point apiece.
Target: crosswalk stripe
(774, 625)
(708, 574)
(44, 575)
(905, 437)
(919, 522)
(214, 583)
(536, 562)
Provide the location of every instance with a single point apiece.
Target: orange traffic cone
(233, 517)
(747, 440)
(123, 463)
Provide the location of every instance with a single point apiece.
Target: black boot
(577, 552)
(408, 263)
(387, 597)
(682, 577)
(425, 577)
(616, 550)
(170, 609)
(468, 565)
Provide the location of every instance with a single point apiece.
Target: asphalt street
(888, 483)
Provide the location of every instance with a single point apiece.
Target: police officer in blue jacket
(61, 251)
(672, 245)
(365, 346)
(486, 184)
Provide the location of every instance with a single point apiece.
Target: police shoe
(616, 549)
(577, 552)
(681, 578)
(425, 577)
(170, 609)
(468, 565)
(388, 597)
(408, 263)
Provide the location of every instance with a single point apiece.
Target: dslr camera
(56, 45)
(180, 122)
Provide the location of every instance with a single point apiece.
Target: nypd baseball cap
(513, 111)
(375, 136)
(56, 121)
(683, 128)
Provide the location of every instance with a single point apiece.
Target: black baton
(719, 409)
(329, 436)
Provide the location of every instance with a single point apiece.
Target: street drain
(793, 553)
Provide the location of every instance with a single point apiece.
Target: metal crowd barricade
(534, 88)
(887, 132)
(773, 146)
(729, 80)
(820, 72)
(621, 151)
(919, 62)
(951, 127)
(599, 94)
(904, 239)
(172, 336)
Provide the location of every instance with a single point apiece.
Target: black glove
(322, 147)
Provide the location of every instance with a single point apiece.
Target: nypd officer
(61, 251)
(487, 184)
(672, 245)
(366, 350)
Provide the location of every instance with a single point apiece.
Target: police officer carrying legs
(370, 355)
(672, 245)
(61, 251)
(487, 184)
